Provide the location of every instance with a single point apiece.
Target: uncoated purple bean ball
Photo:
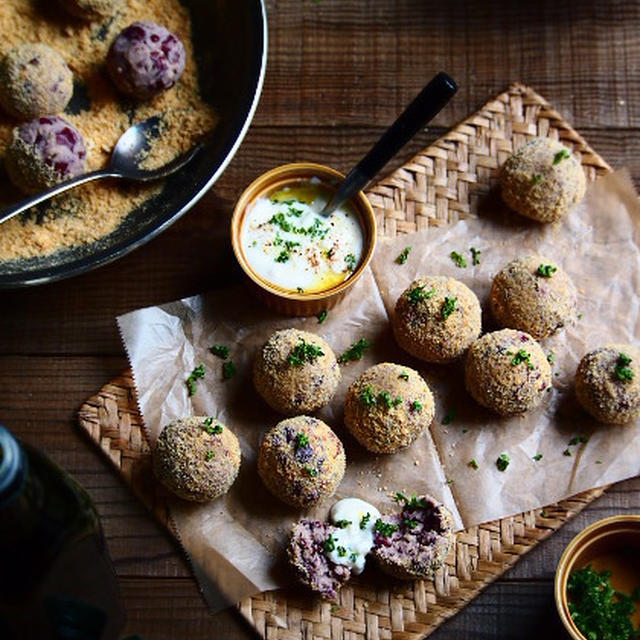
(44, 152)
(34, 81)
(145, 59)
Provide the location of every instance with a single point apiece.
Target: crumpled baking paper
(236, 542)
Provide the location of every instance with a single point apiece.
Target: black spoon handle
(424, 107)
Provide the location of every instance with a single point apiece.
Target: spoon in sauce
(425, 106)
(126, 162)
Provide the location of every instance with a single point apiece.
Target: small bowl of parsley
(597, 582)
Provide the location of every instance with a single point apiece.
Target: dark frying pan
(230, 43)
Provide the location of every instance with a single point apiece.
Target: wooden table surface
(339, 72)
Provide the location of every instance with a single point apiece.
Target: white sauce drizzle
(352, 543)
(290, 245)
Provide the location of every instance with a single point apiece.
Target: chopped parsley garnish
(404, 375)
(472, 463)
(366, 397)
(343, 524)
(350, 261)
(311, 471)
(578, 440)
(449, 416)
(410, 523)
(210, 428)
(342, 552)
(560, 156)
(365, 520)
(598, 461)
(411, 504)
(475, 255)
(316, 230)
(353, 557)
(551, 359)
(520, 357)
(334, 607)
(329, 544)
(537, 457)
(322, 316)
(503, 462)
(416, 406)
(209, 455)
(448, 307)
(301, 440)
(403, 255)
(384, 399)
(282, 257)
(546, 270)
(354, 352)
(196, 374)
(220, 350)
(458, 259)
(228, 370)
(304, 352)
(597, 609)
(418, 294)
(566, 452)
(622, 371)
(537, 179)
(384, 528)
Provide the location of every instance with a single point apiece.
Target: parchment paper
(236, 542)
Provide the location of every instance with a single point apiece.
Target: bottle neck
(13, 468)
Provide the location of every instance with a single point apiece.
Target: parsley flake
(403, 255)
(196, 374)
(209, 455)
(220, 350)
(416, 406)
(546, 270)
(473, 464)
(448, 307)
(312, 472)
(537, 457)
(536, 179)
(475, 255)
(384, 528)
(343, 524)
(322, 316)
(503, 462)
(458, 259)
(622, 371)
(560, 156)
(301, 440)
(329, 544)
(520, 357)
(418, 294)
(350, 261)
(354, 352)
(366, 397)
(365, 520)
(304, 352)
(404, 375)
(228, 370)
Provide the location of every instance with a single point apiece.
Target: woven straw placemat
(439, 186)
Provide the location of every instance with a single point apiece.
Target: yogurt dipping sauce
(354, 538)
(287, 243)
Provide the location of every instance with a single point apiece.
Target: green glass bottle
(56, 578)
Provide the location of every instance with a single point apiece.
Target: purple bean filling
(306, 553)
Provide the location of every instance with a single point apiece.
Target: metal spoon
(424, 107)
(125, 161)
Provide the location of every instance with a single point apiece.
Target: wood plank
(78, 316)
(360, 63)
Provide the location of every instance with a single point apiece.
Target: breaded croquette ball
(534, 295)
(296, 372)
(542, 180)
(507, 371)
(436, 318)
(608, 383)
(197, 458)
(387, 407)
(301, 461)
